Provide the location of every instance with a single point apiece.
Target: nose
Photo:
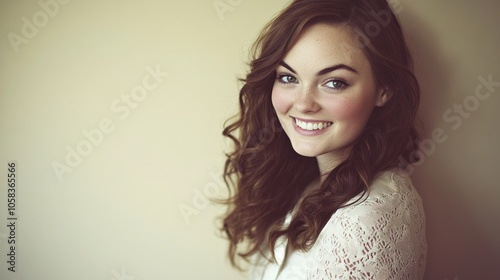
(306, 101)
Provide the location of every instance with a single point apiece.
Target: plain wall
(134, 201)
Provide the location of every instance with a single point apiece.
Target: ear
(384, 95)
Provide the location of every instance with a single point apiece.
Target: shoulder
(391, 204)
(382, 229)
(390, 191)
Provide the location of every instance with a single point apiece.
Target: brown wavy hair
(266, 178)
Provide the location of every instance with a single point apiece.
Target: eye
(336, 84)
(286, 79)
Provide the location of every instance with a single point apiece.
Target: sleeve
(380, 238)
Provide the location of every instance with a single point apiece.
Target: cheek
(282, 101)
(350, 109)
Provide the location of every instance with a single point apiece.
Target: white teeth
(312, 126)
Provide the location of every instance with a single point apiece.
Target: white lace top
(382, 237)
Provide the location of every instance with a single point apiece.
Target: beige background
(117, 214)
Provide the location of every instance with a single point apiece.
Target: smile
(311, 126)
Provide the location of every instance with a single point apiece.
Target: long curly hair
(266, 178)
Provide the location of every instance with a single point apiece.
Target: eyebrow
(324, 71)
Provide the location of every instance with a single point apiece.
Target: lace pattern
(380, 237)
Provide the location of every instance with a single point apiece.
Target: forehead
(323, 45)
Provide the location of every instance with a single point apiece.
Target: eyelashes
(286, 79)
(331, 84)
(336, 84)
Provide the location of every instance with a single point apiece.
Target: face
(325, 92)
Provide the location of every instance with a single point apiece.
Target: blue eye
(286, 79)
(336, 84)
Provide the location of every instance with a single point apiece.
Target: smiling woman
(339, 98)
(324, 198)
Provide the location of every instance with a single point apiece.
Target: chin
(306, 151)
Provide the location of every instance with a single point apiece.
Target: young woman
(327, 112)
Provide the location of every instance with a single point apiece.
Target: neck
(328, 162)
